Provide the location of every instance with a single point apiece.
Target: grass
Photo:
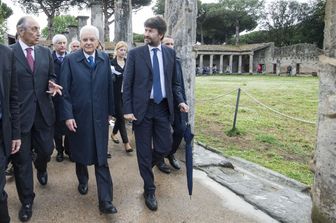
(261, 136)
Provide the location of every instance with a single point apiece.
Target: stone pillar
(278, 68)
(123, 22)
(240, 64)
(82, 21)
(221, 64)
(251, 64)
(201, 61)
(211, 64)
(97, 19)
(324, 188)
(231, 63)
(181, 20)
(73, 33)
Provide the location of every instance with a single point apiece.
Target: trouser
(154, 130)
(4, 216)
(103, 180)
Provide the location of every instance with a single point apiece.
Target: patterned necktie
(60, 59)
(157, 92)
(91, 62)
(30, 59)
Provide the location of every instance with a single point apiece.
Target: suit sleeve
(128, 83)
(65, 81)
(14, 100)
(177, 85)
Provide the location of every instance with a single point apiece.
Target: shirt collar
(58, 55)
(87, 55)
(151, 47)
(24, 46)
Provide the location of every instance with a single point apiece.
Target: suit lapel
(20, 56)
(147, 58)
(165, 59)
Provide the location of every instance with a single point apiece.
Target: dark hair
(158, 23)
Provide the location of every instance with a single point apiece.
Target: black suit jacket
(138, 81)
(33, 86)
(9, 98)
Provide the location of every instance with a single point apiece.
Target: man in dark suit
(60, 43)
(87, 105)
(36, 82)
(149, 90)
(180, 118)
(9, 118)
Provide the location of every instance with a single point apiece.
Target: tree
(50, 8)
(245, 14)
(282, 18)
(108, 10)
(5, 12)
(60, 24)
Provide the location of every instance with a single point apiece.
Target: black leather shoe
(173, 162)
(59, 157)
(42, 177)
(151, 202)
(106, 207)
(163, 167)
(26, 212)
(83, 188)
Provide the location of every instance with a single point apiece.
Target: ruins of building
(302, 58)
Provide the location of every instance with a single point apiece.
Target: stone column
(221, 64)
(251, 64)
(73, 33)
(324, 188)
(82, 21)
(97, 18)
(240, 64)
(231, 63)
(278, 68)
(181, 20)
(201, 61)
(211, 64)
(123, 22)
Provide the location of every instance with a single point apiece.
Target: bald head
(28, 30)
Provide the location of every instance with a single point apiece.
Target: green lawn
(276, 142)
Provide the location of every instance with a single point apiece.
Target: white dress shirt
(162, 76)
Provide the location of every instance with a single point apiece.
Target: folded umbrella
(188, 138)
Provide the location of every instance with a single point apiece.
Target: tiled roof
(231, 48)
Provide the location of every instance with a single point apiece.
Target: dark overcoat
(87, 98)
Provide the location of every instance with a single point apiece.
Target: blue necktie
(91, 62)
(60, 59)
(157, 92)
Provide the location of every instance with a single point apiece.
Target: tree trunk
(106, 23)
(237, 32)
(181, 20)
(50, 27)
(123, 22)
(97, 18)
(323, 191)
(202, 35)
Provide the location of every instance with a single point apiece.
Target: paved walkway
(59, 200)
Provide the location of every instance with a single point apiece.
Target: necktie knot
(91, 62)
(60, 59)
(155, 50)
(29, 50)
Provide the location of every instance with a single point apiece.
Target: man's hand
(54, 89)
(130, 117)
(16, 144)
(183, 107)
(71, 124)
